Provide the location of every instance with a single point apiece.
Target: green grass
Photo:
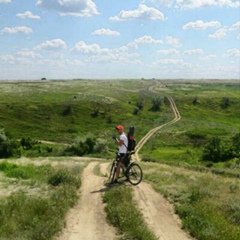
(27, 109)
(208, 205)
(206, 195)
(124, 215)
(37, 213)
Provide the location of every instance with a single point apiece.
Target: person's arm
(119, 141)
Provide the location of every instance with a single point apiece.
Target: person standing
(122, 142)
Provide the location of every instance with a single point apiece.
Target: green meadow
(194, 163)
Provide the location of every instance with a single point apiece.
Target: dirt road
(158, 213)
(87, 220)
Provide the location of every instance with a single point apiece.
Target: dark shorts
(123, 158)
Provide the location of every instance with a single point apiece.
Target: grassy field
(205, 194)
(32, 208)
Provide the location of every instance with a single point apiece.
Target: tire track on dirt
(87, 220)
(176, 118)
(158, 213)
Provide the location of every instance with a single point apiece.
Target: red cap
(119, 127)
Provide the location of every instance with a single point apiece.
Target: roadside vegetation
(195, 163)
(124, 215)
(208, 204)
(37, 209)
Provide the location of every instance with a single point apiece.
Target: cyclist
(122, 142)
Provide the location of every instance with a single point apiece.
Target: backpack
(131, 139)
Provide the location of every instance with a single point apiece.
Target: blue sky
(107, 39)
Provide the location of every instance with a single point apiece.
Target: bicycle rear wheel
(134, 174)
(112, 173)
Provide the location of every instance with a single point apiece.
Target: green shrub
(64, 177)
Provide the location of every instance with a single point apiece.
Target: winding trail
(177, 117)
(87, 220)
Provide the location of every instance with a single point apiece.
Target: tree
(217, 150)
(157, 103)
(7, 147)
(225, 103)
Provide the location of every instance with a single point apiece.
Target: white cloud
(144, 40)
(78, 8)
(208, 57)
(28, 54)
(168, 52)
(220, 33)
(104, 31)
(82, 47)
(27, 14)
(234, 52)
(238, 36)
(97, 54)
(5, 1)
(15, 30)
(200, 25)
(166, 3)
(193, 51)
(235, 26)
(143, 12)
(54, 44)
(169, 61)
(173, 41)
(190, 4)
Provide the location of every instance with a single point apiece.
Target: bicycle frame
(132, 173)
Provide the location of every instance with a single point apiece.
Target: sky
(119, 39)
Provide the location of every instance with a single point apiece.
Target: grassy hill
(66, 112)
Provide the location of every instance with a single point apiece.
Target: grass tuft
(123, 214)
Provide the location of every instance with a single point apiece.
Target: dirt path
(87, 220)
(176, 118)
(159, 214)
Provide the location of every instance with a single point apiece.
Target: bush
(63, 177)
(82, 147)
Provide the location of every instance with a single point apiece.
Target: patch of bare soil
(87, 220)
(158, 214)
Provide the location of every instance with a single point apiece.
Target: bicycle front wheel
(134, 174)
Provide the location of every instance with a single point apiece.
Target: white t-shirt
(123, 147)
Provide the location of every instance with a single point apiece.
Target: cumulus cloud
(233, 52)
(144, 40)
(168, 52)
(78, 8)
(173, 41)
(27, 14)
(104, 31)
(55, 44)
(143, 12)
(82, 47)
(235, 26)
(220, 33)
(5, 1)
(193, 51)
(28, 54)
(169, 61)
(190, 4)
(200, 25)
(15, 30)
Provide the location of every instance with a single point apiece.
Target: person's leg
(120, 163)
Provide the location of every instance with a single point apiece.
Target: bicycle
(132, 172)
